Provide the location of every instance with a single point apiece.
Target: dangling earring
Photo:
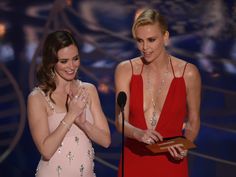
(166, 39)
(166, 44)
(52, 73)
(76, 76)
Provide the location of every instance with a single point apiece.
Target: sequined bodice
(74, 157)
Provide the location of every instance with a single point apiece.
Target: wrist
(136, 134)
(65, 124)
(70, 117)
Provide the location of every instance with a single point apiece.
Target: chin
(67, 78)
(147, 60)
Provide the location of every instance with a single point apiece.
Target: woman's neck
(161, 63)
(63, 86)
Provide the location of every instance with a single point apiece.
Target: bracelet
(66, 125)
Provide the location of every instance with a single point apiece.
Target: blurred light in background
(103, 88)
(2, 29)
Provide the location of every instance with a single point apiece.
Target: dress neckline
(165, 100)
(164, 104)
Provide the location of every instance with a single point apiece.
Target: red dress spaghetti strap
(138, 160)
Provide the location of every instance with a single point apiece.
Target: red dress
(138, 160)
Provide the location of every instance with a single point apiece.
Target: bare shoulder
(89, 86)
(191, 70)
(192, 79)
(126, 67)
(179, 66)
(36, 100)
(123, 66)
(36, 94)
(92, 91)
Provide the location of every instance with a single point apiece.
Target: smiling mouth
(71, 72)
(147, 54)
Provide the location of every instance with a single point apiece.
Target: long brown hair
(53, 43)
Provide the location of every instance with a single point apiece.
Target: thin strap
(131, 66)
(173, 71)
(184, 68)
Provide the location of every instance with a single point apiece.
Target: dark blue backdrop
(202, 32)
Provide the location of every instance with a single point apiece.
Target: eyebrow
(77, 55)
(151, 37)
(138, 38)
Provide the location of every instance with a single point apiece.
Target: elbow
(118, 126)
(192, 129)
(107, 143)
(45, 158)
(46, 155)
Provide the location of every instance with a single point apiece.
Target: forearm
(52, 142)
(192, 129)
(129, 130)
(96, 134)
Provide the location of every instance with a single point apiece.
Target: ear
(166, 38)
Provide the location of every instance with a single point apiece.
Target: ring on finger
(183, 154)
(149, 140)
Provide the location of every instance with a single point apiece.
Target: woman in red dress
(163, 95)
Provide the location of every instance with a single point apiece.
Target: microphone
(121, 101)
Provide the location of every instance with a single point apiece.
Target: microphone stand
(121, 100)
(123, 140)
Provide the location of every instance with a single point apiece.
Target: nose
(72, 64)
(145, 45)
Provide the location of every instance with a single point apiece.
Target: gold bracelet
(66, 125)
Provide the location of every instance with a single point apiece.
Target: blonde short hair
(149, 16)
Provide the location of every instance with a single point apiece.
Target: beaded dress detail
(75, 155)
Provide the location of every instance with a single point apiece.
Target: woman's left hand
(177, 152)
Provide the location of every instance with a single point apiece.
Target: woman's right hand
(78, 102)
(148, 136)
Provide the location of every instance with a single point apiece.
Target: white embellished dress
(75, 156)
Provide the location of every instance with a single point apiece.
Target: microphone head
(121, 99)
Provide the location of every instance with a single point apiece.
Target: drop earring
(52, 73)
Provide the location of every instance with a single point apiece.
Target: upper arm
(37, 118)
(193, 85)
(123, 74)
(96, 109)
